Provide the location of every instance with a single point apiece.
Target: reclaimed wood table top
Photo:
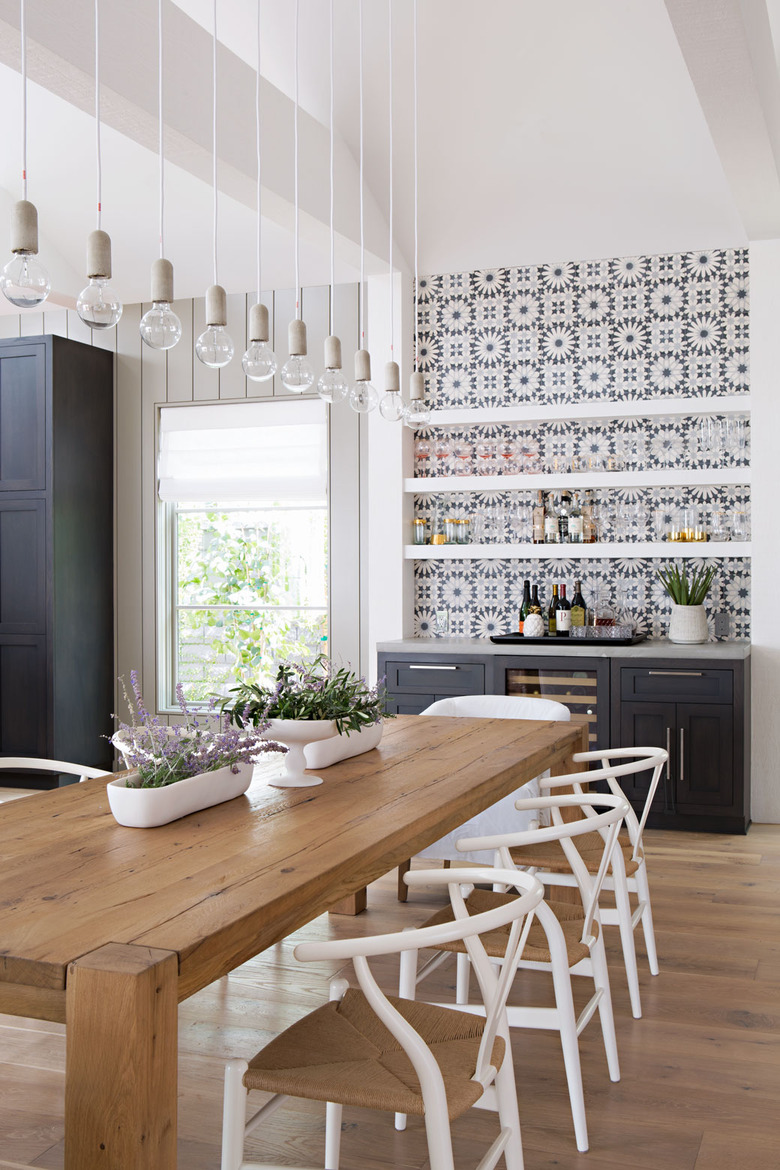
(219, 886)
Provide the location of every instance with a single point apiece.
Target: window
(245, 538)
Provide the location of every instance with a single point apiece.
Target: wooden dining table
(107, 928)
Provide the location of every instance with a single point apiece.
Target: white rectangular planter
(342, 747)
(146, 808)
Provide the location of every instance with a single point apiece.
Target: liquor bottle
(525, 604)
(563, 518)
(563, 615)
(550, 522)
(536, 605)
(538, 519)
(588, 523)
(578, 606)
(552, 622)
(576, 524)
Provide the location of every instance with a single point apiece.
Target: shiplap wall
(144, 380)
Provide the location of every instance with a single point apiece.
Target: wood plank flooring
(700, 1071)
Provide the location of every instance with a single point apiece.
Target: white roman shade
(266, 452)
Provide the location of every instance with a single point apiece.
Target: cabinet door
(650, 725)
(23, 419)
(22, 566)
(705, 774)
(410, 704)
(23, 699)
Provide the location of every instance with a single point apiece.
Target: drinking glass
(442, 451)
(507, 457)
(660, 524)
(530, 459)
(740, 525)
(463, 454)
(485, 452)
(423, 449)
(720, 526)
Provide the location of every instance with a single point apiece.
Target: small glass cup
(740, 525)
(419, 533)
(720, 525)
(451, 530)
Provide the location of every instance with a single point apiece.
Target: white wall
(765, 441)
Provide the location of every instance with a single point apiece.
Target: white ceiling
(547, 131)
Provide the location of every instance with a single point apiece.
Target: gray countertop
(660, 648)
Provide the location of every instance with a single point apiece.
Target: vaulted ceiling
(547, 131)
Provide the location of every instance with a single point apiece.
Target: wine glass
(507, 457)
(423, 449)
(442, 450)
(485, 452)
(463, 453)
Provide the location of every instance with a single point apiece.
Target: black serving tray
(519, 639)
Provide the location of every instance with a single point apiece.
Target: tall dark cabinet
(56, 551)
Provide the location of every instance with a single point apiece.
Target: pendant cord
(332, 229)
(258, 148)
(23, 34)
(416, 155)
(295, 135)
(161, 139)
(97, 118)
(390, 165)
(362, 304)
(214, 137)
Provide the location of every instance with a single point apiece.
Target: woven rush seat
(342, 1052)
(571, 918)
(590, 848)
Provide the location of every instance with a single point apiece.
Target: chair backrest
(606, 823)
(640, 759)
(517, 914)
(499, 707)
(28, 763)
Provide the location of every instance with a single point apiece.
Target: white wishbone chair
(368, 1049)
(28, 763)
(628, 872)
(565, 939)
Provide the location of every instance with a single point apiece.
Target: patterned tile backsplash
(638, 328)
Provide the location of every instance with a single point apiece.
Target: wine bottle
(576, 524)
(536, 605)
(578, 606)
(563, 615)
(538, 519)
(550, 522)
(552, 624)
(563, 518)
(588, 523)
(525, 604)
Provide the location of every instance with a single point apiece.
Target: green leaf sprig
(685, 590)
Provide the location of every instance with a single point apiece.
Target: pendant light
(259, 361)
(416, 412)
(160, 327)
(332, 385)
(391, 405)
(363, 397)
(97, 304)
(297, 372)
(215, 347)
(24, 280)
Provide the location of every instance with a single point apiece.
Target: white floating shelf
(596, 410)
(563, 552)
(579, 481)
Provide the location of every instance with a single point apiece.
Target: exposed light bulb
(297, 371)
(160, 327)
(332, 385)
(97, 304)
(259, 361)
(391, 406)
(363, 397)
(215, 346)
(417, 414)
(24, 280)
(297, 374)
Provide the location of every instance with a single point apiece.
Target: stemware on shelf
(442, 453)
(462, 456)
(507, 453)
(423, 450)
(485, 452)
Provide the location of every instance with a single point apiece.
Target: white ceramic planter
(296, 733)
(688, 623)
(342, 747)
(146, 808)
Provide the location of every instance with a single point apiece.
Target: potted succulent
(688, 622)
(180, 768)
(322, 712)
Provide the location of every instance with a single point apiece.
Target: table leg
(121, 1060)
(352, 904)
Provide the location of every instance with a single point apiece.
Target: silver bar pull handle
(425, 666)
(669, 785)
(678, 673)
(682, 753)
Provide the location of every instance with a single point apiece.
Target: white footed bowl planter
(146, 808)
(343, 747)
(296, 733)
(688, 623)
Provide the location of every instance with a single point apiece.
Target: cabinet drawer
(676, 684)
(442, 679)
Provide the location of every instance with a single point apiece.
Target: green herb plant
(685, 590)
(309, 690)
